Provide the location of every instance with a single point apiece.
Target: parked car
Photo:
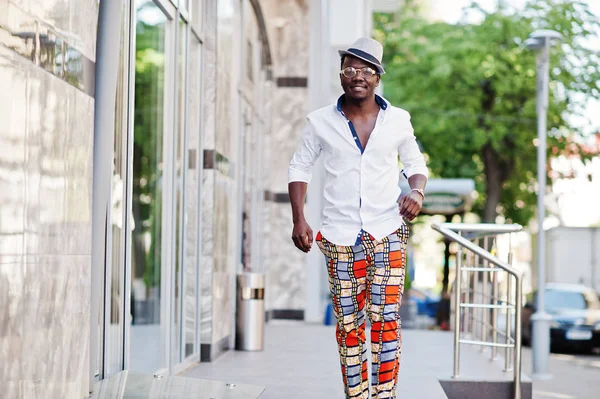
(575, 311)
(427, 302)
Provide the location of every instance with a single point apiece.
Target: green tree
(471, 91)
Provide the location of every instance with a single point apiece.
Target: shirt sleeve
(410, 154)
(307, 153)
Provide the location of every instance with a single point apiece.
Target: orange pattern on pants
(369, 275)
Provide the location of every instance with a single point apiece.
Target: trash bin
(250, 313)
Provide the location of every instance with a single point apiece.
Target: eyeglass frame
(362, 72)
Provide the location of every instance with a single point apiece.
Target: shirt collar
(378, 99)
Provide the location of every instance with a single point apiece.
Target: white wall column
(335, 24)
(317, 87)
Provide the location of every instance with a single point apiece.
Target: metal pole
(469, 315)
(107, 66)
(475, 319)
(541, 320)
(494, 312)
(467, 312)
(457, 294)
(484, 295)
(508, 350)
(517, 353)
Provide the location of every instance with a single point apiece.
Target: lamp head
(538, 38)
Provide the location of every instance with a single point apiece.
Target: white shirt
(361, 189)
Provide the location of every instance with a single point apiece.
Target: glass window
(114, 317)
(197, 13)
(192, 182)
(248, 155)
(179, 189)
(249, 61)
(557, 299)
(183, 4)
(146, 242)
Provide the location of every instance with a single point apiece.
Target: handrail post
(508, 353)
(467, 313)
(494, 276)
(484, 295)
(457, 295)
(475, 312)
(518, 326)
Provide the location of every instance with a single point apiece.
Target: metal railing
(479, 270)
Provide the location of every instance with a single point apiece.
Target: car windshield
(557, 299)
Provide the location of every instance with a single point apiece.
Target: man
(363, 235)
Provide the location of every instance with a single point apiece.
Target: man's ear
(378, 79)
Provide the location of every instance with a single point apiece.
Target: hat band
(365, 55)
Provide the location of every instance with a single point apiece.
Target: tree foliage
(471, 91)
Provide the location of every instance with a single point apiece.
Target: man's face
(358, 87)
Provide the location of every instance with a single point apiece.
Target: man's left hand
(410, 205)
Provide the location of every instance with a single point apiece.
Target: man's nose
(358, 77)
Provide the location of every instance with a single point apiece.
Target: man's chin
(357, 97)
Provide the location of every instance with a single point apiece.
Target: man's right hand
(302, 236)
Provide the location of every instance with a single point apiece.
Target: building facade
(143, 164)
(47, 56)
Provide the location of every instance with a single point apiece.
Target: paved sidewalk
(301, 361)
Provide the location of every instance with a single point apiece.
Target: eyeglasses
(350, 72)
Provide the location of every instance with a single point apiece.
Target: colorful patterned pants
(371, 276)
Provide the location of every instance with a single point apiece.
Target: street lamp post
(540, 41)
